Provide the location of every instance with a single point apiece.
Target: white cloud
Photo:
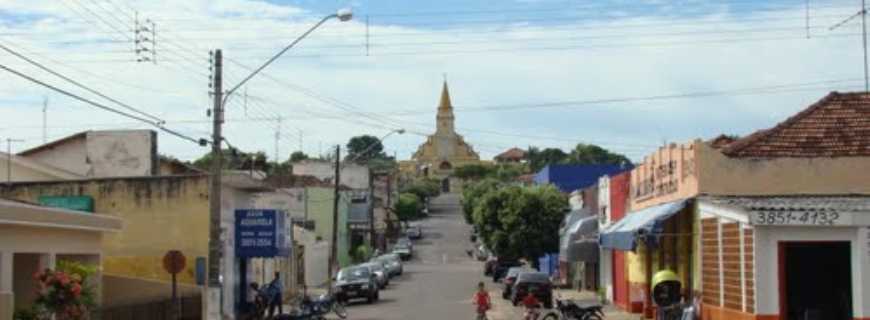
(486, 65)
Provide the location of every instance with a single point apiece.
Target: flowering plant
(65, 292)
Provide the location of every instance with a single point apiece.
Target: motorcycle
(318, 309)
(569, 310)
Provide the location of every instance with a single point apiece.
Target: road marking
(444, 258)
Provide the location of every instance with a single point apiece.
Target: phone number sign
(801, 218)
(261, 233)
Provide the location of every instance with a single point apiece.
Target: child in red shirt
(481, 300)
(532, 304)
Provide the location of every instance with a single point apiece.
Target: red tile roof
(838, 125)
(512, 154)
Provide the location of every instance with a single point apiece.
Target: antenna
(863, 14)
(45, 119)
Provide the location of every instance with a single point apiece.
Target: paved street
(439, 281)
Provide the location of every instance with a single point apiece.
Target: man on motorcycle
(532, 305)
(482, 301)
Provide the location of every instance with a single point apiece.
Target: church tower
(444, 125)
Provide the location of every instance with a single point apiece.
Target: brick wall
(724, 279)
(710, 261)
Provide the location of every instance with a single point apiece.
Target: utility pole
(9, 159)
(214, 231)
(44, 120)
(333, 253)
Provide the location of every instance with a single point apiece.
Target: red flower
(76, 290)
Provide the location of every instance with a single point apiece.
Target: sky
(627, 75)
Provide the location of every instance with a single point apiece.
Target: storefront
(785, 257)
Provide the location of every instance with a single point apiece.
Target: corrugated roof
(838, 125)
(794, 203)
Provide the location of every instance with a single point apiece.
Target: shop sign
(801, 218)
(262, 233)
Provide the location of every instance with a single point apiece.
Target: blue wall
(570, 177)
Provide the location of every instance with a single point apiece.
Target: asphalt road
(439, 281)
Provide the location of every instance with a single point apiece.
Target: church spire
(445, 112)
(445, 98)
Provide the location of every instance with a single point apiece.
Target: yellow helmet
(663, 276)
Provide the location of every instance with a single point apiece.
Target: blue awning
(623, 234)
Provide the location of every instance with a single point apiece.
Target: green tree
(233, 159)
(474, 171)
(520, 222)
(538, 159)
(473, 192)
(593, 154)
(297, 156)
(364, 148)
(424, 188)
(408, 207)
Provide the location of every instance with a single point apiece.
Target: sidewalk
(503, 310)
(611, 312)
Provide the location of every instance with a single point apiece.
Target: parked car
(405, 241)
(510, 278)
(489, 265)
(356, 282)
(414, 233)
(392, 262)
(404, 250)
(501, 267)
(482, 253)
(537, 283)
(380, 272)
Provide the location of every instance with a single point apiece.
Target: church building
(444, 150)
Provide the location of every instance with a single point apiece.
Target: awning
(645, 223)
(579, 241)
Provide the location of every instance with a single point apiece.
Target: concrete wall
(21, 172)
(320, 204)
(122, 153)
(352, 175)
(767, 286)
(159, 214)
(668, 174)
(127, 291)
(70, 155)
(291, 200)
(721, 175)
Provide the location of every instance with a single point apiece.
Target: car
(380, 272)
(509, 279)
(403, 250)
(501, 267)
(405, 241)
(392, 262)
(482, 253)
(356, 282)
(414, 232)
(538, 283)
(489, 265)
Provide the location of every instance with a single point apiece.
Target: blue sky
(628, 75)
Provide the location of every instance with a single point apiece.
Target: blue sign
(262, 233)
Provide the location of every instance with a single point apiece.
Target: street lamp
(215, 246)
(342, 15)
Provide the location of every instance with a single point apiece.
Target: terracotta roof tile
(512, 154)
(838, 125)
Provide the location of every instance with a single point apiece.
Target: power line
(201, 142)
(78, 84)
(101, 19)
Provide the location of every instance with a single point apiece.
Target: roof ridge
(739, 145)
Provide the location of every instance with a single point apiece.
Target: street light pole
(215, 251)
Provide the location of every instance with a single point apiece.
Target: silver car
(381, 273)
(392, 262)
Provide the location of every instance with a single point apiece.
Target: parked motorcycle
(318, 309)
(570, 310)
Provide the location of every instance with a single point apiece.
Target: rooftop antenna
(863, 14)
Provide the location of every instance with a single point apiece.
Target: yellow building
(444, 150)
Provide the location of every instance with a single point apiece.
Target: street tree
(408, 207)
(297, 156)
(473, 192)
(539, 158)
(364, 148)
(520, 222)
(593, 154)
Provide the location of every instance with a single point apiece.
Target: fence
(190, 309)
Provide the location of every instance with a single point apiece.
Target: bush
(361, 253)
(409, 207)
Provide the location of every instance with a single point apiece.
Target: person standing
(482, 301)
(276, 295)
